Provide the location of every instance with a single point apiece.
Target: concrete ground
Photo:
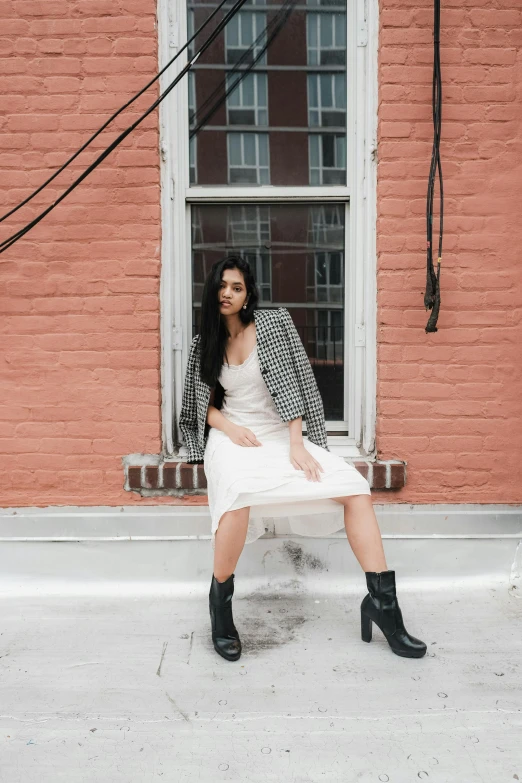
(129, 688)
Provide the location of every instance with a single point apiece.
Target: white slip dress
(263, 477)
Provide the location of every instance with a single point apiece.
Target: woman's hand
(241, 436)
(301, 459)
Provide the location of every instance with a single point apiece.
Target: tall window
(270, 170)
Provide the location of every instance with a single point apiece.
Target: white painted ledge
(128, 550)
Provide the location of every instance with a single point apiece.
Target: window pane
(296, 252)
(249, 143)
(290, 86)
(234, 149)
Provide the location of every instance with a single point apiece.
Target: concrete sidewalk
(129, 688)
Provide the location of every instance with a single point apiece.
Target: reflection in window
(248, 159)
(193, 156)
(248, 225)
(327, 153)
(326, 225)
(193, 141)
(326, 100)
(190, 32)
(326, 39)
(247, 104)
(323, 3)
(199, 270)
(191, 81)
(296, 252)
(296, 90)
(248, 235)
(330, 343)
(329, 276)
(241, 35)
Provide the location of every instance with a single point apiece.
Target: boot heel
(366, 628)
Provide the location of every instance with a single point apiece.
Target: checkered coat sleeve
(311, 396)
(188, 417)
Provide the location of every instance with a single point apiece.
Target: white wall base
(126, 550)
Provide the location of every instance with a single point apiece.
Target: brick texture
(449, 403)
(80, 294)
(181, 479)
(80, 361)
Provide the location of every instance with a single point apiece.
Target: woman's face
(232, 292)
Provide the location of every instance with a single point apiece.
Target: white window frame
(359, 197)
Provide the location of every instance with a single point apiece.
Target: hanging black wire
(7, 243)
(116, 114)
(432, 294)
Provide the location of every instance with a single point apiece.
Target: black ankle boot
(381, 607)
(224, 633)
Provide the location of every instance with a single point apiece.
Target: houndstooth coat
(287, 373)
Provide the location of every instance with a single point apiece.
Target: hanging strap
(432, 294)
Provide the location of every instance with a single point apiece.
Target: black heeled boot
(224, 633)
(381, 607)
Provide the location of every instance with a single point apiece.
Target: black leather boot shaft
(381, 607)
(224, 633)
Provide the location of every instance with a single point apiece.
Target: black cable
(278, 22)
(432, 294)
(116, 114)
(19, 234)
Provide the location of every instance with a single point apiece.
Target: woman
(248, 386)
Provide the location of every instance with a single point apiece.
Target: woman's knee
(352, 500)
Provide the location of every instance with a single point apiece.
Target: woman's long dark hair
(214, 332)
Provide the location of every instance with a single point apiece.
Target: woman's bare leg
(229, 542)
(363, 532)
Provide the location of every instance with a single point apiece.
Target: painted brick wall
(449, 402)
(79, 296)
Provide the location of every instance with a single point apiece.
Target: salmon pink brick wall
(80, 359)
(449, 402)
(80, 355)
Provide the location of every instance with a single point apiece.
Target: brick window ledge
(156, 476)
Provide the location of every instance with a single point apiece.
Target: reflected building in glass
(282, 123)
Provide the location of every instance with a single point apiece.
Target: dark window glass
(296, 252)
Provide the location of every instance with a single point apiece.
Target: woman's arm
(216, 419)
(241, 436)
(300, 457)
(296, 431)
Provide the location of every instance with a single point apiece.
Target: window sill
(156, 476)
